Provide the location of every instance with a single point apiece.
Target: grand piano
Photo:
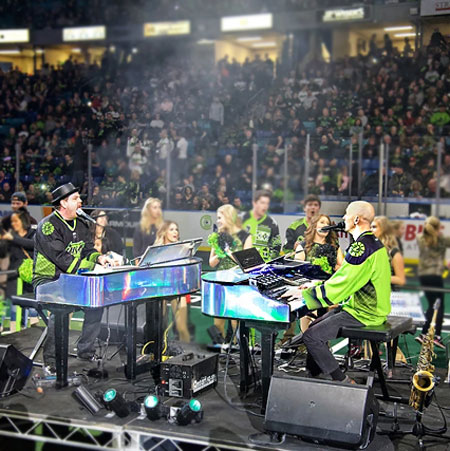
(254, 298)
(128, 285)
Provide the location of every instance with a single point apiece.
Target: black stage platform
(55, 418)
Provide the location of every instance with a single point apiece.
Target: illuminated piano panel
(103, 289)
(243, 302)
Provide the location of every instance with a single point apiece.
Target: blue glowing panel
(116, 287)
(243, 302)
(234, 275)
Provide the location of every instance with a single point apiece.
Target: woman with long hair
(322, 249)
(229, 238)
(169, 233)
(432, 247)
(382, 228)
(151, 221)
(398, 227)
(106, 238)
(21, 247)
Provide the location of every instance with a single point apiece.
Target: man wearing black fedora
(63, 244)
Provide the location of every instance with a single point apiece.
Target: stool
(385, 333)
(29, 301)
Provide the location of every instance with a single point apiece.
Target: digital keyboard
(255, 300)
(256, 296)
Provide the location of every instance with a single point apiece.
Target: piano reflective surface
(247, 297)
(109, 286)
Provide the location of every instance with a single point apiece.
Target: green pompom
(25, 270)
(213, 241)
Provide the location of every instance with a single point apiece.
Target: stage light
(189, 412)
(153, 407)
(115, 402)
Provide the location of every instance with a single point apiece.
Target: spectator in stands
(145, 232)
(432, 247)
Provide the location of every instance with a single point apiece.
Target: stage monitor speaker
(114, 317)
(322, 411)
(14, 370)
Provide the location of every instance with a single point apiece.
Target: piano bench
(28, 300)
(388, 333)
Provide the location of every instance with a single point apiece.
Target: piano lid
(226, 276)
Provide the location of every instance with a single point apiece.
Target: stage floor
(55, 417)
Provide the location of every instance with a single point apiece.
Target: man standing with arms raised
(63, 244)
(263, 229)
(361, 286)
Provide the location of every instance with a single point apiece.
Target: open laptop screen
(248, 259)
(170, 252)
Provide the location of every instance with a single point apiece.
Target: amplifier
(187, 375)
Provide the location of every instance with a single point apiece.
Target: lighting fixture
(399, 28)
(405, 35)
(189, 412)
(152, 407)
(248, 38)
(10, 52)
(115, 402)
(264, 44)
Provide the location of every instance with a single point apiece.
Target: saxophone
(423, 380)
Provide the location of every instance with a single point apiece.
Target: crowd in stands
(210, 119)
(58, 13)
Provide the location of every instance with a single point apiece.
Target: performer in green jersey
(362, 285)
(263, 229)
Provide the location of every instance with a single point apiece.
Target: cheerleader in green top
(322, 249)
(230, 237)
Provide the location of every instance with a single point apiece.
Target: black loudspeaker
(321, 411)
(114, 316)
(14, 370)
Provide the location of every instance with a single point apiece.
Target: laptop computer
(249, 259)
(154, 255)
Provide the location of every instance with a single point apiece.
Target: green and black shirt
(61, 246)
(265, 235)
(295, 232)
(363, 282)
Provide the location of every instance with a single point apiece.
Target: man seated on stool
(63, 244)
(361, 285)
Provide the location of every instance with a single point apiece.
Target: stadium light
(205, 41)
(406, 35)
(399, 28)
(76, 50)
(264, 44)
(134, 50)
(10, 52)
(248, 39)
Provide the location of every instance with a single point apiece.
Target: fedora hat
(62, 192)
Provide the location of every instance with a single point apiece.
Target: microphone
(84, 215)
(338, 226)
